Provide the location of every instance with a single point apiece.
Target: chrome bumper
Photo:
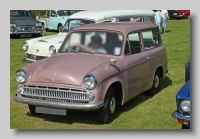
(28, 61)
(65, 105)
(28, 32)
(176, 115)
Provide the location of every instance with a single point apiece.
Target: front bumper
(178, 115)
(28, 60)
(25, 30)
(62, 105)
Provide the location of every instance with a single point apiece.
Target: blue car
(187, 71)
(182, 114)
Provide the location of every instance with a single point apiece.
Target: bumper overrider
(177, 115)
(62, 105)
(30, 58)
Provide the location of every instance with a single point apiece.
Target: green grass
(142, 112)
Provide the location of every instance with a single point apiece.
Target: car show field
(141, 112)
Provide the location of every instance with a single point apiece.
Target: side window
(132, 44)
(151, 39)
(53, 13)
(134, 41)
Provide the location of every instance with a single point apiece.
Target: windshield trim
(92, 30)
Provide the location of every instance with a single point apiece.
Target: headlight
(36, 24)
(185, 105)
(21, 76)
(90, 81)
(25, 46)
(13, 25)
(52, 49)
(39, 24)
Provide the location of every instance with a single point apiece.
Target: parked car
(80, 77)
(186, 13)
(187, 71)
(182, 114)
(43, 47)
(53, 19)
(22, 24)
(175, 14)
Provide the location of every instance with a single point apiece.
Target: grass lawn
(142, 112)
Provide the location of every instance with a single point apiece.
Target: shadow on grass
(91, 117)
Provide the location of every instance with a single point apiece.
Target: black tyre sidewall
(105, 115)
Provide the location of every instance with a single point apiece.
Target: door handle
(148, 57)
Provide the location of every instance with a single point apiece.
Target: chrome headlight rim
(13, 25)
(52, 49)
(23, 76)
(92, 79)
(185, 105)
(25, 46)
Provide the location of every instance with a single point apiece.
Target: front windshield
(65, 12)
(76, 22)
(19, 13)
(101, 42)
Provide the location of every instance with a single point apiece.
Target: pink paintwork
(130, 74)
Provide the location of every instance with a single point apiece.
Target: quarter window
(151, 39)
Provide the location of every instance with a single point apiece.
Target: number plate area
(53, 111)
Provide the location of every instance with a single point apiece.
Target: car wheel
(156, 84)
(32, 110)
(60, 27)
(185, 126)
(106, 113)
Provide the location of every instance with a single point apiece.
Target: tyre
(185, 126)
(106, 113)
(156, 84)
(32, 110)
(60, 27)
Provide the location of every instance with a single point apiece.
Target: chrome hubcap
(112, 105)
(156, 81)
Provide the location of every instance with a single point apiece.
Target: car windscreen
(100, 42)
(19, 13)
(74, 23)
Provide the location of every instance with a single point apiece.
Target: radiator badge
(53, 80)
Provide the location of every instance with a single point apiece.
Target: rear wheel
(156, 84)
(106, 113)
(32, 110)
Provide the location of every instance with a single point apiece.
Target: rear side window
(151, 39)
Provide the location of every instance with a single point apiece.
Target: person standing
(164, 20)
(158, 17)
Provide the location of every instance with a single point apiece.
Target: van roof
(103, 14)
(124, 27)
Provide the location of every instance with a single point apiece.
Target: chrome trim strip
(176, 114)
(43, 103)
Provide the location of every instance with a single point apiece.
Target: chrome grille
(56, 93)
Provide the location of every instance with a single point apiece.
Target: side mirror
(113, 61)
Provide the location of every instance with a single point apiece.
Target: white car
(43, 47)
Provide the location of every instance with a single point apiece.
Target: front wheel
(185, 126)
(106, 113)
(60, 27)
